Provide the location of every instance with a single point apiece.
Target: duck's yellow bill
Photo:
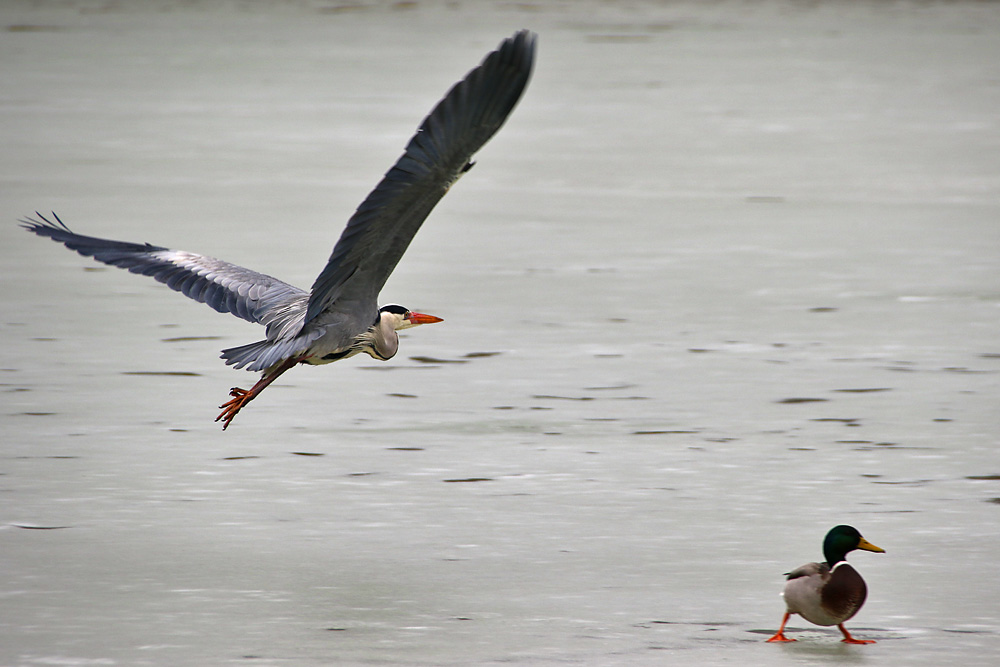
(865, 545)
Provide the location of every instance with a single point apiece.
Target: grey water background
(727, 278)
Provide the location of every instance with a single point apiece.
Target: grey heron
(339, 316)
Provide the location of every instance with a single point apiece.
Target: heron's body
(825, 594)
(339, 316)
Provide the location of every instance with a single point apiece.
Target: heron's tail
(265, 355)
(244, 355)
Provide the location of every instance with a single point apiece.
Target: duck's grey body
(825, 596)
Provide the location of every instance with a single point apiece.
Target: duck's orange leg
(240, 397)
(848, 639)
(779, 636)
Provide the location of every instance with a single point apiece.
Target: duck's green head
(843, 539)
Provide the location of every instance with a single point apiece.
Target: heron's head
(401, 318)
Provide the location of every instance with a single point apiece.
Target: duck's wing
(808, 570)
(380, 230)
(226, 287)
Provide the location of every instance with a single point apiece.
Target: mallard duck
(828, 593)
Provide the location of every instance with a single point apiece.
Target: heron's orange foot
(780, 637)
(231, 408)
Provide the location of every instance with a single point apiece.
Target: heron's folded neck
(380, 341)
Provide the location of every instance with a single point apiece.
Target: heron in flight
(339, 316)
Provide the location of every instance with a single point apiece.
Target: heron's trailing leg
(240, 397)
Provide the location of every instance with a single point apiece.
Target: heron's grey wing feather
(227, 288)
(379, 232)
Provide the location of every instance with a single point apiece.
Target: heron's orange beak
(420, 318)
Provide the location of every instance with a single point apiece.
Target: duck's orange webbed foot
(848, 639)
(779, 636)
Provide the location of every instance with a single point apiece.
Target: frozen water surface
(727, 278)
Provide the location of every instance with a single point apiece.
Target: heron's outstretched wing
(379, 232)
(225, 287)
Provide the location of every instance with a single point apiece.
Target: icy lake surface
(728, 277)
